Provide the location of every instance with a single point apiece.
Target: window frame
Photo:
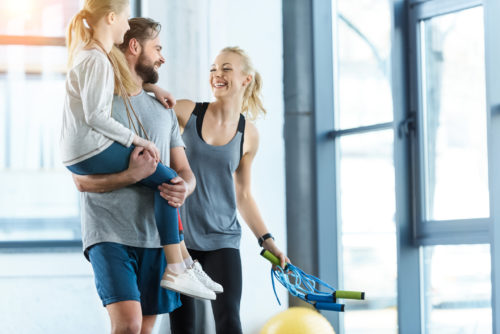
(39, 40)
(433, 232)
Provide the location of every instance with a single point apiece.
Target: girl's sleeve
(93, 81)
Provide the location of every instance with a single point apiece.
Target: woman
(221, 146)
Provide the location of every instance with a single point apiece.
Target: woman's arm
(164, 97)
(244, 199)
(183, 110)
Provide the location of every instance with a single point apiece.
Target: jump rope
(307, 287)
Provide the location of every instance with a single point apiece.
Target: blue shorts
(132, 273)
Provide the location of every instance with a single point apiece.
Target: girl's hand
(164, 97)
(148, 146)
(153, 150)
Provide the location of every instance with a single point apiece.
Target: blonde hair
(79, 34)
(252, 104)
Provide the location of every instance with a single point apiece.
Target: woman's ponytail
(252, 104)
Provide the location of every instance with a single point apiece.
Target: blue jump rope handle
(321, 298)
(329, 306)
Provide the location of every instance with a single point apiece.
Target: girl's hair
(80, 33)
(252, 103)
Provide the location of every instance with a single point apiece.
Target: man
(120, 236)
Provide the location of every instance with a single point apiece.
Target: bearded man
(119, 233)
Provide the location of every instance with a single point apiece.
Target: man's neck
(137, 79)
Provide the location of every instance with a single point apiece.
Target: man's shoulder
(153, 102)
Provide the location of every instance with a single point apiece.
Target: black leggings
(224, 267)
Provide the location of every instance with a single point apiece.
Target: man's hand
(175, 193)
(142, 164)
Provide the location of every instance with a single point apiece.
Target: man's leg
(126, 317)
(154, 299)
(116, 282)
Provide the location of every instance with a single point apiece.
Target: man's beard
(147, 73)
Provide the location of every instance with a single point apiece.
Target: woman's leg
(224, 266)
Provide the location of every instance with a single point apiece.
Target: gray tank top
(209, 214)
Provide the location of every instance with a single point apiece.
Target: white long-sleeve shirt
(87, 126)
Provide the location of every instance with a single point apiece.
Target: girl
(94, 143)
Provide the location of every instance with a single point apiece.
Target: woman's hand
(271, 246)
(164, 97)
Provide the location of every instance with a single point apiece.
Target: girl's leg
(115, 159)
(166, 216)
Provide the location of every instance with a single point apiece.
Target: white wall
(49, 292)
(193, 32)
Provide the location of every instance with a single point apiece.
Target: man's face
(150, 60)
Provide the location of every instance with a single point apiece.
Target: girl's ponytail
(77, 34)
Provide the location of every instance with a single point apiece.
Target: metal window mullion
(492, 54)
(419, 159)
(472, 231)
(326, 153)
(30, 244)
(408, 256)
(433, 8)
(360, 129)
(32, 40)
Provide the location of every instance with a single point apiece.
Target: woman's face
(120, 25)
(227, 77)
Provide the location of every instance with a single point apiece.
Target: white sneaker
(205, 279)
(187, 284)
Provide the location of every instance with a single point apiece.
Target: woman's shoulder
(183, 109)
(251, 137)
(251, 130)
(184, 105)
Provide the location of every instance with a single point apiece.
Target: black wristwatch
(264, 238)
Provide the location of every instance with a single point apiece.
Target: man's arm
(183, 185)
(141, 165)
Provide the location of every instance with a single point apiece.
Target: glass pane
(367, 197)
(364, 46)
(36, 17)
(454, 100)
(38, 199)
(457, 289)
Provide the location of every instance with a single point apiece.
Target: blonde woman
(94, 143)
(221, 145)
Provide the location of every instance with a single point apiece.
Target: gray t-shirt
(126, 215)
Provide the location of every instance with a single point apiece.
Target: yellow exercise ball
(298, 320)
